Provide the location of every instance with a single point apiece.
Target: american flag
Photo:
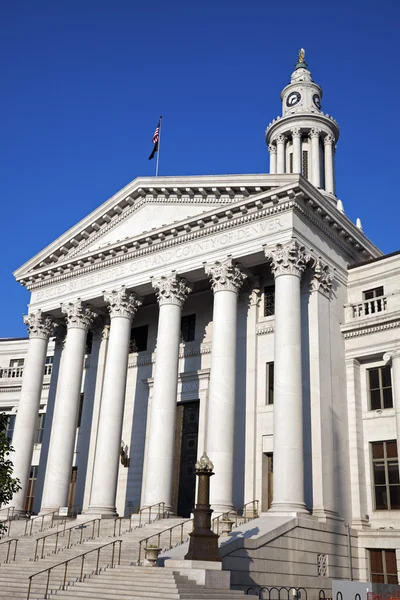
(156, 133)
(156, 137)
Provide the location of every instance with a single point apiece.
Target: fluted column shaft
(122, 308)
(281, 148)
(328, 163)
(296, 136)
(288, 262)
(272, 158)
(226, 278)
(315, 162)
(171, 293)
(63, 433)
(39, 328)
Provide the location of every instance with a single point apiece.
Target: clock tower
(303, 139)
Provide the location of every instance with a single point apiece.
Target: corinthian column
(226, 280)
(296, 136)
(122, 307)
(288, 261)
(329, 142)
(39, 328)
(171, 293)
(272, 158)
(63, 432)
(323, 462)
(281, 147)
(315, 162)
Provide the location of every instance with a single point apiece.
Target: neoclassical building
(242, 315)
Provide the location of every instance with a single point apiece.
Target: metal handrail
(238, 514)
(158, 536)
(8, 509)
(159, 505)
(63, 532)
(66, 563)
(52, 513)
(7, 532)
(9, 542)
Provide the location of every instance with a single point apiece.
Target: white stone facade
(220, 248)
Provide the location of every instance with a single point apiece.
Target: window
(138, 342)
(269, 300)
(39, 428)
(16, 367)
(291, 162)
(374, 293)
(78, 423)
(383, 566)
(48, 365)
(269, 387)
(188, 326)
(380, 388)
(10, 426)
(385, 466)
(89, 342)
(305, 163)
(30, 493)
(16, 362)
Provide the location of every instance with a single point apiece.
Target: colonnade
(288, 262)
(278, 164)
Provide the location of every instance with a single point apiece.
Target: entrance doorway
(267, 481)
(186, 437)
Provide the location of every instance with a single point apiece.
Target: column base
(288, 508)
(102, 512)
(323, 515)
(221, 508)
(360, 524)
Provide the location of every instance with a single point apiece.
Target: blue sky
(83, 84)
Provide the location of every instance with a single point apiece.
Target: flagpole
(159, 144)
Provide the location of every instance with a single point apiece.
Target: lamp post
(203, 543)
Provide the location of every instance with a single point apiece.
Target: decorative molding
(38, 325)
(263, 329)
(77, 314)
(120, 303)
(18, 388)
(226, 275)
(272, 148)
(171, 289)
(280, 139)
(322, 278)
(295, 131)
(288, 259)
(329, 139)
(136, 360)
(368, 330)
(315, 132)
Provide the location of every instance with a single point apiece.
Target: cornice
(18, 388)
(283, 124)
(369, 330)
(264, 328)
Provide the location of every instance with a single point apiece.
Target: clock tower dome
(303, 139)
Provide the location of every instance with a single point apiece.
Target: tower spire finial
(301, 63)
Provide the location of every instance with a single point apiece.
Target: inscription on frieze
(195, 248)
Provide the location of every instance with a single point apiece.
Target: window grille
(269, 300)
(305, 163)
(188, 328)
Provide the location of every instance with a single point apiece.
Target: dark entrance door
(187, 427)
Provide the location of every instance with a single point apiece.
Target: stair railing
(29, 523)
(143, 543)
(238, 515)
(95, 525)
(9, 542)
(7, 524)
(158, 509)
(82, 557)
(10, 512)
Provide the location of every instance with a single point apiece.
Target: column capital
(280, 139)
(226, 275)
(171, 289)
(38, 325)
(121, 303)
(77, 314)
(322, 278)
(389, 356)
(329, 140)
(272, 148)
(288, 259)
(315, 132)
(296, 132)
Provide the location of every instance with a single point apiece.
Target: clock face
(317, 101)
(293, 99)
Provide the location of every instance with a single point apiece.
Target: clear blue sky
(83, 84)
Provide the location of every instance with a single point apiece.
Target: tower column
(281, 147)
(226, 280)
(63, 432)
(315, 162)
(296, 136)
(329, 141)
(272, 158)
(39, 328)
(288, 262)
(122, 308)
(171, 294)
